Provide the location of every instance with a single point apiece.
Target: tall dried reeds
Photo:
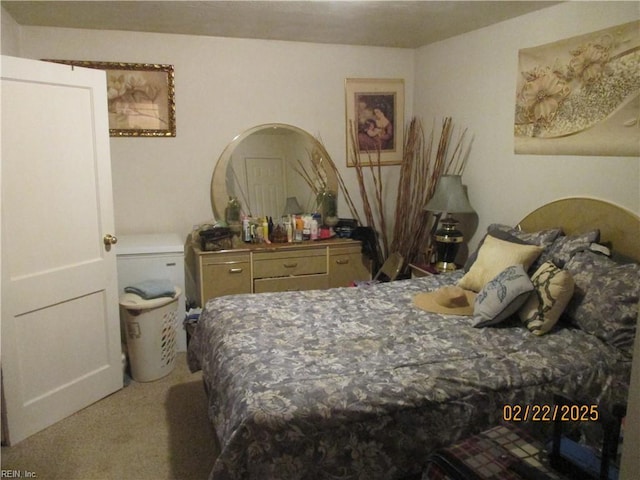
(419, 173)
(377, 222)
(421, 169)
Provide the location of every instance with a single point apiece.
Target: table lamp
(449, 197)
(292, 207)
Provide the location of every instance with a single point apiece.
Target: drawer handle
(235, 270)
(290, 265)
(342, 262)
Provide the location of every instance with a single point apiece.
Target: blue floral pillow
(502, 296)
(605, 301)
(563, 248)
(542, 238)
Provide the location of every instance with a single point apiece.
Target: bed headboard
(619, 227)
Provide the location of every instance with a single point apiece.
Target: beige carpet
(157, 430)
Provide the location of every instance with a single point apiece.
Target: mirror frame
(218, 190)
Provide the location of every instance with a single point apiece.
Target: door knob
(110, 239)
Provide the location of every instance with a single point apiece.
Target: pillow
(605, 302)
(562, 248)
(553, 290)
(542, 238)
(502, 296)
(506, 236)
(494, 256)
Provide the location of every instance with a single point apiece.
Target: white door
(60, 327)
(266, 190)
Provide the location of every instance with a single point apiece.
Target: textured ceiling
(406, 24)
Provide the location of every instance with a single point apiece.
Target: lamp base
(448, 240)
(446, 266)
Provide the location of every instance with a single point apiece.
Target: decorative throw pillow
(494, 256)
(605, 302)
(502, 296)
(553, 290)
(502, 235)
(542, 238)
(562, 248)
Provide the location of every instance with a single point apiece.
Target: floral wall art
(141, 97)
(581, 96)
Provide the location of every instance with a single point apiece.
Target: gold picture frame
(141, 97)
(374, 120)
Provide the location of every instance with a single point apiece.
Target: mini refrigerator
(150, 257)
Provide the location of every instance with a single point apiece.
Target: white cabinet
(153, 257)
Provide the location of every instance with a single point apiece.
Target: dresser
(257, 268)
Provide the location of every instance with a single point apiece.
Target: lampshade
(292, 207)
(449, 196)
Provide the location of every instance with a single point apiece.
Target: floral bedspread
(357, 383)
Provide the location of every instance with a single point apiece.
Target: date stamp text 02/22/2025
(550, 413)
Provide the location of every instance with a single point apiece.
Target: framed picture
(574, 97)
(141, 98)
(375, 120)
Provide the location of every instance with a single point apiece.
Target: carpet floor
(157, 431)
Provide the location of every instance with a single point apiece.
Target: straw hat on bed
(452, 300)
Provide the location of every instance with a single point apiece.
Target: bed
(360, 383)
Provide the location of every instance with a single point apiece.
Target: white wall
(472, 78)
(9, 35)
(223, 86)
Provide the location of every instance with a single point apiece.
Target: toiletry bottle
(246, 229)
(306, 228)
(289, 231)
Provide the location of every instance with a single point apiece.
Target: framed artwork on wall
(141, 97)
(374, 120)
(580, 95)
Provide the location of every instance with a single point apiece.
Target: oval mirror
(268, 164)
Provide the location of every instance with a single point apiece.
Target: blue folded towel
(149, 289)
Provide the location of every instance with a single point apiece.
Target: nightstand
(423, 270)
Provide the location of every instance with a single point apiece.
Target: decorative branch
(302, 171)
(419, 175)
(242, 194)
(376, 175)
(343, 188)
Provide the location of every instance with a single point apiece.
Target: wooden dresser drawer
(289, 263)
(346, 265)
(226, 258)
(225, 275)
(258, 268)
(287, 284)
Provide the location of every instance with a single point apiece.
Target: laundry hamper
(150, 331)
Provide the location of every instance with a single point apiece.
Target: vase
(328, 207)
(232, 215)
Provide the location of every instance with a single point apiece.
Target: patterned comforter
(357, 383)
